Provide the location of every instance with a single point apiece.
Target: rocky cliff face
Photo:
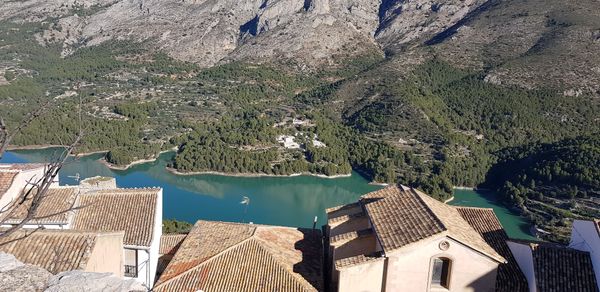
(516, 42)
(207, 32)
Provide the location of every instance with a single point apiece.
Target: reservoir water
(289, 201)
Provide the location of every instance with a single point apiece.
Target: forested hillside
(551, 181)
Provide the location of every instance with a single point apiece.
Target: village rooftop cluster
(394, 239)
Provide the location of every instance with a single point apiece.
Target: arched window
(440, 272)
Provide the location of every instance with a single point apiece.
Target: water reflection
(290, 201)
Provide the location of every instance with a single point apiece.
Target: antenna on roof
(76, 177)
(245, 201)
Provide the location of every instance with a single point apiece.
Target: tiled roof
(356, 260)
(342, 207)
(169, 243)
(54, 250)
(6, 180)
(219, 256)
(563, 269)
(402, 216)
(348, 236)
(129, 210)
(484, 221)
(52, 208)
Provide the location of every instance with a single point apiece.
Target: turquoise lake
(288, 201)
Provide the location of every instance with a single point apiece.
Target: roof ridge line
(437, 218)
(472, 207)
(116, 192)
(291, 272)
(475, 249)
(206, 261)
(130, 188)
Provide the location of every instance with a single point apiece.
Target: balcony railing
(130, 271)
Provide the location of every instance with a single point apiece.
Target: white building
(552, 267)
(585, 236)
(138, 212)
(97, 205)
(399, 239)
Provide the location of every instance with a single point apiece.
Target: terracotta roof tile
(348, 236)
(344, 218)
(129, 210)
(563, 269)
(169, 243)
(236, 270)
(356, 260)
(342, 207)
(203, 242)
(54, 250)
(401, 216)
(51, 209)
(484, 221)
(458, 228)
(6, 180)
(219, 256)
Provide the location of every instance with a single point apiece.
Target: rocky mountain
(531, 44)
(210, 31)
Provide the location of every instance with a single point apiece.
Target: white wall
(524, 257)
(148, 258)
(156, 235)
(408, 269)
(585, 237)
(367, 277)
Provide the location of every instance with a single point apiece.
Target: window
(130, 263)
(440, 272)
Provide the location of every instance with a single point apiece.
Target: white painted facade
(147, 256)
(524, 257)
(410, 268)
(585, 236)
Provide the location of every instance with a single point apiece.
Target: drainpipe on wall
(148, 261)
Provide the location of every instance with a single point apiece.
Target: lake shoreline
(125, 167)
(135, 162)
(48, 146)
(248, 174)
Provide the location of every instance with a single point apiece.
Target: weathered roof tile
(219, 256)
(6, 180)
(54, 250)
(54, 208)
(401, 216)
(129, 210)
(563, 269)
(484, 221)
(169, 243)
